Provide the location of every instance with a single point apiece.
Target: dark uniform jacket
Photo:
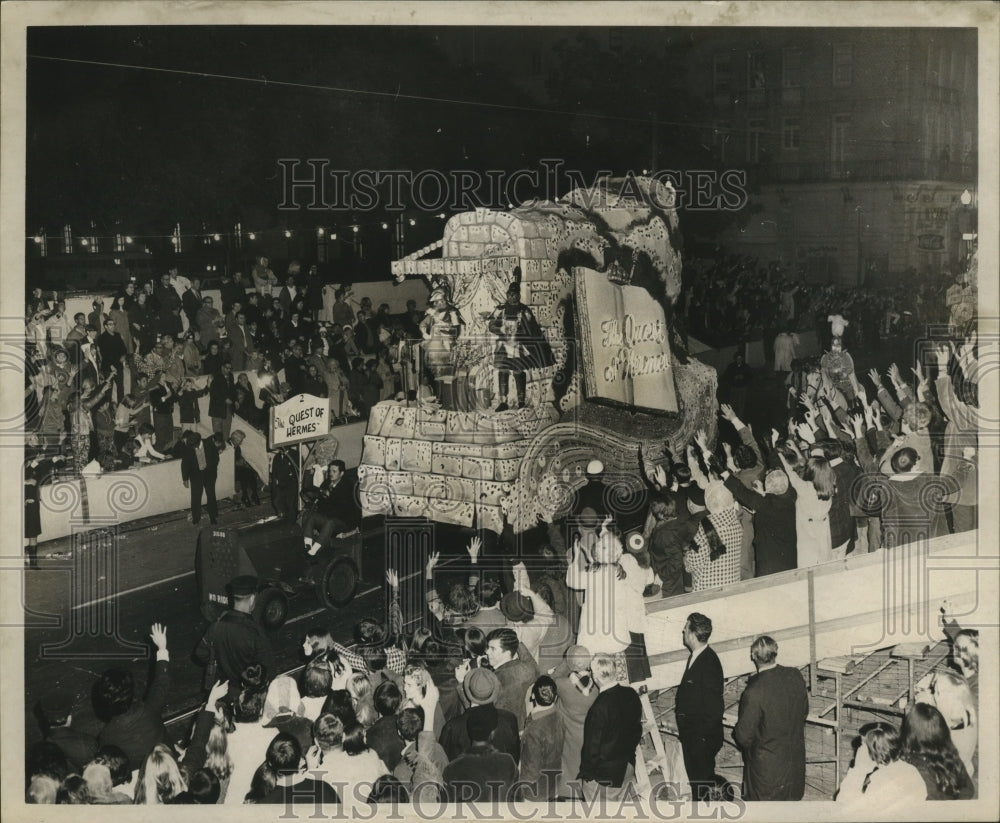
(239, 641)
(610, 734)
(139, 729)
(771, 733)
(699, 705)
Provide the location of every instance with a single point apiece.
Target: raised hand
(943, 353)
(806, 433)
(474, 547)
(432, 561)
(462, 669)
(774, 437)
(660, 476)
(392, 578)
(857, 425)
(874, 376)
(727, 412)
(159, 634)
(216, 693)
(894, 374)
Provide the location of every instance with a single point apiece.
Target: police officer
(236, 640)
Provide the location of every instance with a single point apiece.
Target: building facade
(860, 145)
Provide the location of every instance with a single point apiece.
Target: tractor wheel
(273, 608)
(339, 583)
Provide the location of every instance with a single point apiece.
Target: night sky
(150, 148)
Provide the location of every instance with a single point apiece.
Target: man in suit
(515, 675)
(191, 302)
(243, 345)
(699, 706)
(135, 726)
(611, 734)
(771, 727)
(113, 353)
(199, 469)
(221, 399)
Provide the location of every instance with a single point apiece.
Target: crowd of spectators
(736, 298)
(520, 683)
(262, 344)
(175, 342)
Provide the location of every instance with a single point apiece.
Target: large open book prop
(626, 348)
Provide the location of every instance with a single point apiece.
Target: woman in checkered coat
(714, 558)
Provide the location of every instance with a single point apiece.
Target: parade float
(599, 271)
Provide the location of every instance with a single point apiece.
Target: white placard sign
(303, 417)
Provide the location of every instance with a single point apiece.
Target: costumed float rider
(440, 328)
(332, 511)
(521, 345)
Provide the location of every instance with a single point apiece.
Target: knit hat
(480, 722)
(481, 686)
(515, 606)
(718, 498)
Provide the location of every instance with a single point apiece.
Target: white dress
(784, 351)
(812, 524)
(329, 298)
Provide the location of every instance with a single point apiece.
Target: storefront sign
(303, 417)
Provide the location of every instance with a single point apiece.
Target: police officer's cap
(243, 586)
